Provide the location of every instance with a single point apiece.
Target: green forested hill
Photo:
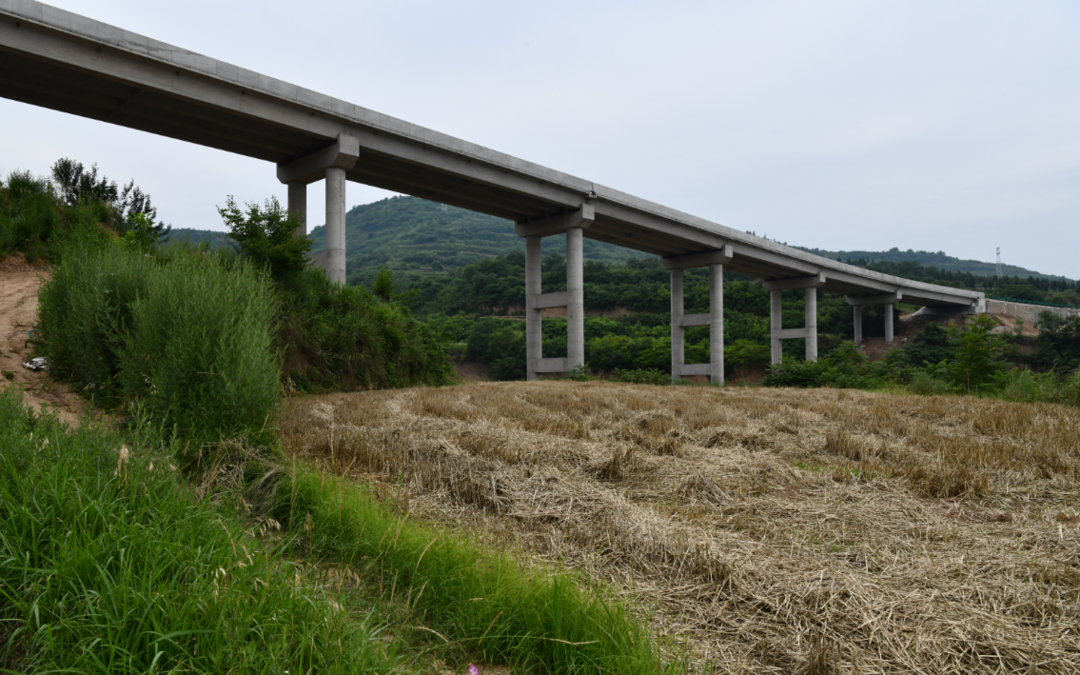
(416, 238)
(407, 234)
(939, 260)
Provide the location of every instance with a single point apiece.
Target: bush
(199, 353)
(845, 367)
(336, 336)
(188, 335)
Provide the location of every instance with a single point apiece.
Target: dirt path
(19, 284)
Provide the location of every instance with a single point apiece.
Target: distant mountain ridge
(418, 236)
(939, 260)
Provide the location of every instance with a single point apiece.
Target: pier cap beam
(795, 284)
(583, 218)
(343, 154)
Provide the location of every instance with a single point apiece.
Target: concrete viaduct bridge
(67, 62)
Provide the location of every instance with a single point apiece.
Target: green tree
(267, 236)
(977, 353)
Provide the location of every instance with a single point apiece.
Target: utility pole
(999, 262)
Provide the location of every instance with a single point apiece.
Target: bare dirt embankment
(778, 531)
(19, 285)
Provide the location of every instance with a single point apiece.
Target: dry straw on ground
(777, 530)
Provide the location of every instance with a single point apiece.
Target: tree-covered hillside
(939, 260)
(411, 235)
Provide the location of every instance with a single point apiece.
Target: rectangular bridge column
(716, 322)
(776, 314)
(534, 335)
(677, 330)
(335, 224)
(858, 324)
(714, 319)
(889, 323)
(297, 205)
(778, 334)
(575, 300)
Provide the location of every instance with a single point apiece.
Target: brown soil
(19, 284)
(777, 531)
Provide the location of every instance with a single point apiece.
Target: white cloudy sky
(854, 124)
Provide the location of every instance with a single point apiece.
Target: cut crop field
(821, 531)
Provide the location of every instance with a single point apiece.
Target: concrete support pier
(811, 324)
(778, 333)
(678, 333)
(716, 322)
(533, 331)
(714, 319)
(776, 320)
(887, 299)
(335, 224)
(298, 205)
(332, 163)
(573, 298)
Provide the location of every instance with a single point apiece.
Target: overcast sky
(950, 126)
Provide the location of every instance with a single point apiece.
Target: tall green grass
(187, 335)
(112, 566)
(483, 602)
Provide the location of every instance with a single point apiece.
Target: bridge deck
(63, 61)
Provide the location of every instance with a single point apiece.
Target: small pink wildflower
(473, 670)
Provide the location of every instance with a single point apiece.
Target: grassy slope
(780, 530)
(109, 564)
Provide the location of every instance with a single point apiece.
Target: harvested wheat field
(772, 530)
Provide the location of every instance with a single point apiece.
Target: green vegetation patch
(481, 601)
(109, 565)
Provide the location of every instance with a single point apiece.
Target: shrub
(336, 336)
(186, 334)
(199, 353)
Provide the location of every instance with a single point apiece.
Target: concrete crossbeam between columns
(693, 369)
(690, 320)
(550, 365)
(791, 333)
(580, 219)
(549, 300)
